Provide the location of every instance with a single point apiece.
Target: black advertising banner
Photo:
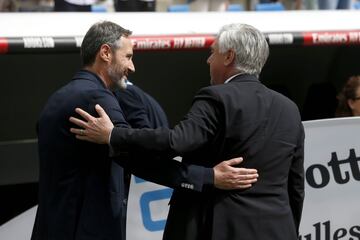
(13, 45)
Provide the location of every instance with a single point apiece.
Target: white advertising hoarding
(332, 188)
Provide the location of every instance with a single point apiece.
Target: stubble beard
(118, 81)
(121, 83)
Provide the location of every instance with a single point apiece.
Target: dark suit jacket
(140, 109)
(77, 199)
(82, 193)
(143, 111)
(239, 118)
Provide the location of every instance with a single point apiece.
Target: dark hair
(348, 92)
(101, 33)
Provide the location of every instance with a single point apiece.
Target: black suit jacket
(239, 118)
(82, 192)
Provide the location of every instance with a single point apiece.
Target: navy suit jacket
(141, 110)
(239, 118)
(77, 199)
(82, 192)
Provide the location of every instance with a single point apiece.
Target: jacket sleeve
(296, 180)
(155, 166)
(107, 100)
(194, 131)
(166, 171)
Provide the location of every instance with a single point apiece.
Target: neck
(100, 73)
(231, 73)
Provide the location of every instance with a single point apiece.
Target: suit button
(124, 202)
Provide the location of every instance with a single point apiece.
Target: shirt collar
(232, 77)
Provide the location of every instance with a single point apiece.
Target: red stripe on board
(332, 38)
(4, 45)
(175, 42)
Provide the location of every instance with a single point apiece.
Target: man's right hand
(228, 177)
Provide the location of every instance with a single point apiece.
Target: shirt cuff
(110, 136)
(111, 149)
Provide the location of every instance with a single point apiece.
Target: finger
(78, 131)
(252, 180)
(244, 170)
(244, 186)
(78, 122)
(246, 176)
(84, 114)
(82, 137)
(234, 161)
(252, 176)
(100, 111)
(244, 179)
(246, 182)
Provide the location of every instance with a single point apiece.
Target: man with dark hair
(82, 191)
(77, 199)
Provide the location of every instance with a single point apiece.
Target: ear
(229, 57)
(350, 103)
(105, 53)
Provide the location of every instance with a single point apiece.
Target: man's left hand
(228, 176)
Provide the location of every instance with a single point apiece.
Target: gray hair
(248, 43)
(101, 33)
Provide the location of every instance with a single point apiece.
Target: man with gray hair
(236, 116)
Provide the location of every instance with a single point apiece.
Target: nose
(208, 60)
(131, 67)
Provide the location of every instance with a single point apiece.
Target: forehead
(126, 46)
(357, 90)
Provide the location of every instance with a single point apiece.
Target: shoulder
(88, 82)
(288, 106)
(88, 86)
(212, 90)
(282, 98)
(131, 94)
(217, 92)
